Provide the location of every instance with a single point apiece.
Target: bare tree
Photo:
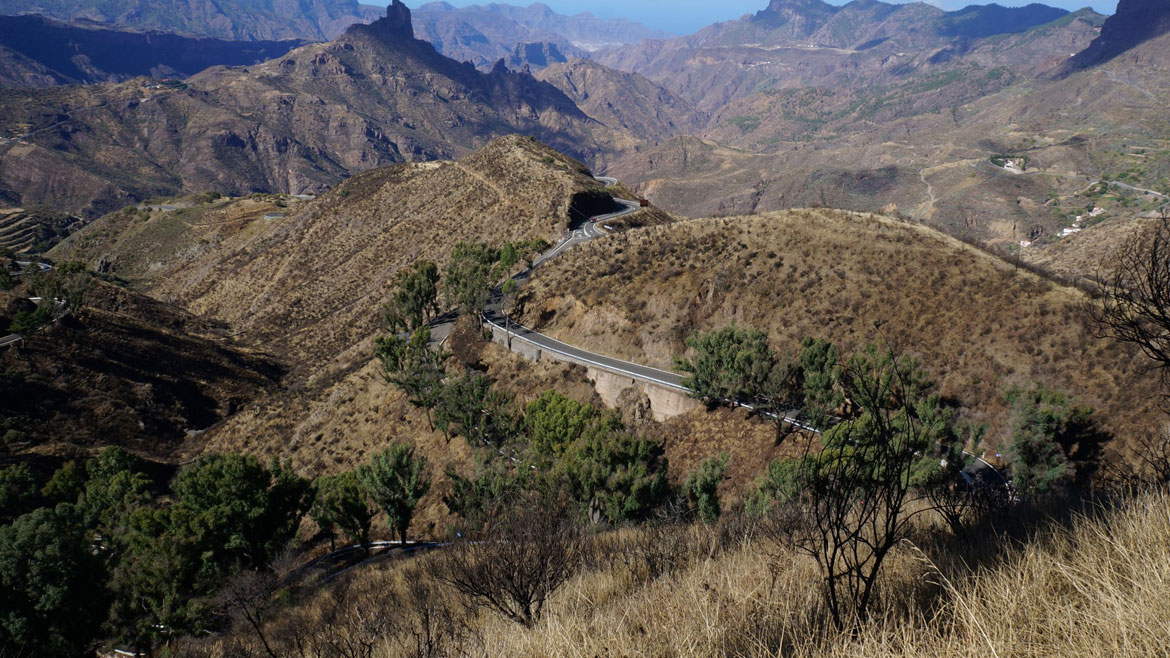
(356, 618)
(1135, 300)
(653, 550)
(429, 628)
(522, 559)
(1154, 455)
(247, 595)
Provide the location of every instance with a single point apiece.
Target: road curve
(493, 314)
(13, 339)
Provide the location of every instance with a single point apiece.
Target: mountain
(976, 21)
(880, 107)
(227, 19)
(857, 28)
(35, 51)
(795, 19)
(299, 123)
(484, 34)
(623, 100)
(1134, 23)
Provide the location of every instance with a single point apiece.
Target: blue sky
(685, 16)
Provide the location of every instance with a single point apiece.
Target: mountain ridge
(1135, 22)
(484, 34)
(53, 52)
(299, 123)
(229, 19)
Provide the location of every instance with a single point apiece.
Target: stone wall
(665, 402)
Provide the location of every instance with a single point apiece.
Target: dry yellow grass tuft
(1095, 586)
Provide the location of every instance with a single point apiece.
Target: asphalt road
(25, 264)
(11, 339)
(494, 315)
(592, 230)
(1142, 190)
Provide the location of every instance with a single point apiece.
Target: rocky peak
(396, 26)
(539, 54)
(398, 19)
(799, 6)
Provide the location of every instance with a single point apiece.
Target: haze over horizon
(687, 16)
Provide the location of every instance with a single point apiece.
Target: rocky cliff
(1135, 22)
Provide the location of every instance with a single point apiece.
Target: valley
(335, 330)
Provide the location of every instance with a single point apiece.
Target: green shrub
(702, 487)
(1043, 422)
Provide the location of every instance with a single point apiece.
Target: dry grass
(1091, 252)
(1095, 586)
(978, 324)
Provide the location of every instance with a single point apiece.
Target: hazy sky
(685, 16)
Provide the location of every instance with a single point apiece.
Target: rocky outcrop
(397, 20)
(1135, 22)
(536, 55)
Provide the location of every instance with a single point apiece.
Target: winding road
(15, 339)
(594, 228)
(493, 313)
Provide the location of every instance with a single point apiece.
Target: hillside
(977, 323)
(299, 123)
(126, 370)
(229, 19)
(143, 245)
(1092, 586)
(36, 52)
(309, 285)
(308, 288)
(625, 101)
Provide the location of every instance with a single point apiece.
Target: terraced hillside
(17, 232)
(23, 230)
